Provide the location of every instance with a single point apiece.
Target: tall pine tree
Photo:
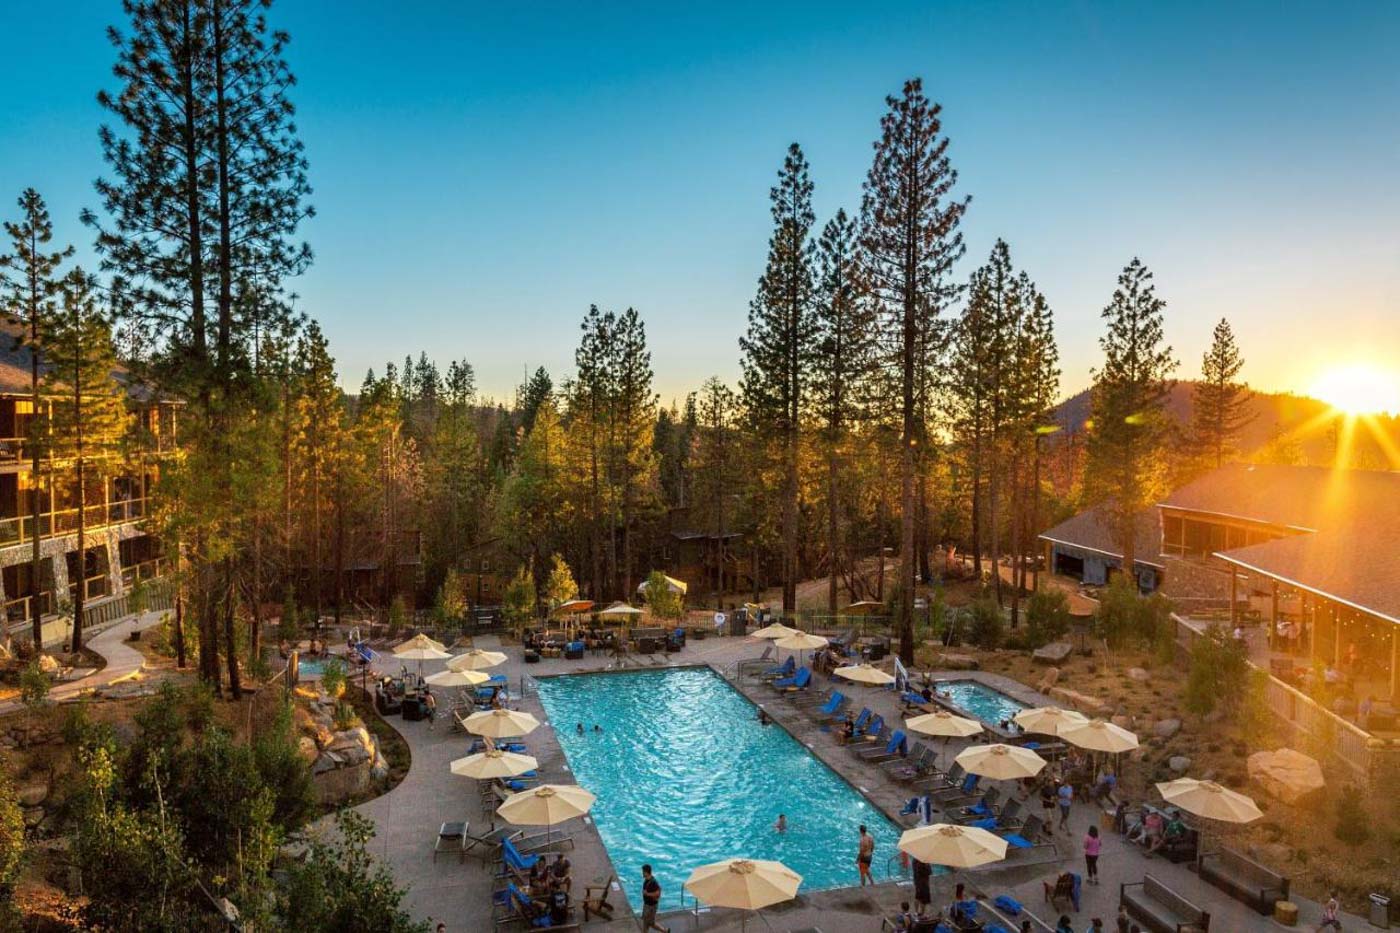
(910, 238)
(1220, 402)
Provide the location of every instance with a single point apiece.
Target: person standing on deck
(651, 899)
(865, 855)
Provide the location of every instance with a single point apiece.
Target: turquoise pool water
(314, 667)
(686, 775)
(986, 703)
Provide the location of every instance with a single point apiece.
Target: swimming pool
(986, 703)
(686, 775)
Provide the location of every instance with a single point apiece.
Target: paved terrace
(458, 894)
(123, 661)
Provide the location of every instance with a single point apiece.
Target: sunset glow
(1359, 389)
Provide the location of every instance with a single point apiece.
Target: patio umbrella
(865, 607)
(547, 805)
(420, 648)
(954, 846)
(1097, 735)
(1000, 762)
(1210, 800)
(945, 724)
(621, 609)
(573, 608)
(746, 884)
(773, 630)
(450, 678)
(493, 763)
(500, 723)
(1048, 720)
(801, 641)
(475, 660)
(864, 674)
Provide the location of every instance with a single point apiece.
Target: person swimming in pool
(762, 717)
(580, 728)
(597, 728)
(781, 825)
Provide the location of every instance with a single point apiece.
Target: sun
(1359, 389)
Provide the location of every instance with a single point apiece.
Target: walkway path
(123, 661)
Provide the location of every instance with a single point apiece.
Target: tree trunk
(1015, 542)
(993, 519)
(1035, 515)
(977, 502)
(80, 595)
(832, 533)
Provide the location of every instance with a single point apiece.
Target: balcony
(22, 528)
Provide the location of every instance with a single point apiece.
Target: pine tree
(320, 414)
(1219, 409)
(633, 418)
(589, 401)
(1127, 408)
(532, 395)
(29, 282)
(716, 413)
(90, 419)
(777, 347)
(910, 240)
(841, 367)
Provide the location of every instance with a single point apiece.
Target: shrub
(398, 615)
(334, 679)
(518, 601)
(661, 599)
(33, 687)
(11, 835)
(1353, 825)
(451, 605)
(285, 771)
(1219, 672)
(984, 623)
(1047, 616)
(559, 586)
(288, 625)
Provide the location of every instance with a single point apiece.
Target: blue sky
(483, 172)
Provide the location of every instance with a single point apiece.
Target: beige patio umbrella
(450, 678)
(773, 630)
(1210, 800)
(1048, 720)
(475, 660)
(953, 846)
(801, 641)
(746, 884)
(621, 609)
(493, 763)
(1098, 735)
(500, 723)
(945, 724)
(547, 805)
(420, 648)
(865, 607)
(864, 674)
(1000, 762)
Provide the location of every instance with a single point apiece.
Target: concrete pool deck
(459, 894)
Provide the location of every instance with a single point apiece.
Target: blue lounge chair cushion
(1008, 903)
(997, 928)
(989, 823)
(969, 909)
(1017, 841)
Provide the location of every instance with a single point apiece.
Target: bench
(1159, 908)
(1244, 879)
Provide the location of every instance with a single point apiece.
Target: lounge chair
(985, 807)
(452, 836)
(964, 793)
(796, 682)
(822, 706)
(919, 764)
(873, 738)
(785, 669)
(896, 747)
(822, 716)
(595, 900)
(1028, 835)
(941, 780)
(917, 751)
(486, 846)
(512, 859)
(518, 907)
(1010, 819)
(859, 723)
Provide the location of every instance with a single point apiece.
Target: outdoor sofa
(1160, 909)
(1244, 879)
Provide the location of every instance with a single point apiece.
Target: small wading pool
(988, 704)
(685, 775)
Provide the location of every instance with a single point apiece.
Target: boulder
(1166, 728)
(379, 771)
(1286, 774)
(1051, 678)
(1138, 674)
(33, 793)
(1054, 653)
(48, 664)
(307, 747)
(958, 662)
(1080, 701)
(351, 755)
(328, 761)
(1179, 763)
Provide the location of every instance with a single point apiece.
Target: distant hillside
(1306, 420)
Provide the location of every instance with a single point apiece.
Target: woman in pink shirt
(1093, 845)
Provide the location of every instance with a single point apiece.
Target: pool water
(986, 703)
(313, 667)
(685, 775)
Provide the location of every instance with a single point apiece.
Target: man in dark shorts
(865, 854)
(651, 898)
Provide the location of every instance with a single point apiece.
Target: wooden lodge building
(119, 550)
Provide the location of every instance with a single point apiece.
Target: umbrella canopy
(672, 584)
(801, 641)
(621, 609)
(748, 884)
(1210, 800)
(573, 606)
(475, 660)
(944, 724)
(774, 630)
(864, 607)
(954, 846)
(500, 723)
(546, 805)
(1048, 720)
(864, 674)
(493, 763)
(421, 648)
(457, 678)
(1000, 762)
(1099, 736)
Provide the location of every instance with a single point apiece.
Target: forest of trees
(892, 403)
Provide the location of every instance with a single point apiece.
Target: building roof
(1092, 531)
(1349, 548)
(16, 362)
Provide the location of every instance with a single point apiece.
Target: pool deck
(458, 894)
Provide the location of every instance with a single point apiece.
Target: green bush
(11, 836)
(334, 678)
(984, 623)
(289, 623)
(1047, 617)
(398, 615)
(661, 600)
(285, 771)
(1219, 674)
(1353, 825)
(1125, 617)
(33, 687)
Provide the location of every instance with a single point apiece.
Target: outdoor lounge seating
(940, 780)
(983, 808)
(957, 796)
(798, 682)
(1243, 879)
(451, 836)
(876, 734)
(595, 900)
(786, 669)
(911, 766)
(1160, 909)
(515, 906)
(486, 846)
(1028, 836)
(896, 747)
